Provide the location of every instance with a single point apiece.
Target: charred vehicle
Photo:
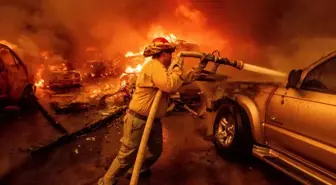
(292, 127)
(96, 65)
(16, 86)
(58, 76)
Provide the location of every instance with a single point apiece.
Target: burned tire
(231, 133)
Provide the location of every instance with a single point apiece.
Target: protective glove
(201, 66)
(177, 63)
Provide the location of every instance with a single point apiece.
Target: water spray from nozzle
(234, 63)
(249, 67)
(262, 70)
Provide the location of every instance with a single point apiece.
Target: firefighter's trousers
(130, 142)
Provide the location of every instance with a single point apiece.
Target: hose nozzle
(237, 64)
(234, 63)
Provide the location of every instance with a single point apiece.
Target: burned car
(16, 86)
(96, 65)
(292, 127)
(59, 76)
(63, 79)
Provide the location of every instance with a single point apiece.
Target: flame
(101, 89)
(133, 54)
(39, 82)
(170, 37)
(157, 32)
(61, 67)
(137, 69)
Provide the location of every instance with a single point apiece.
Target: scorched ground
(187, 159)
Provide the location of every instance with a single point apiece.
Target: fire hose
(205, 58)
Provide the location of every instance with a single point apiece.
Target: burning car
(97, 65)
(15, 84)
(63, 79)
(58, 76)
(56, 73)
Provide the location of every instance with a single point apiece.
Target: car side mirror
(294, 78)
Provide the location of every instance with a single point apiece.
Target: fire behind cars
(58, 76)
(64, 78)
(96, 65)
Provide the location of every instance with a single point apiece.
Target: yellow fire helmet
(158, 45)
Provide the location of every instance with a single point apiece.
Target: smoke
(68, 27)
(278, 34)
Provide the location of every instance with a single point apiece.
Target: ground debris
(91, 138)
(76, 151)
(69, 107)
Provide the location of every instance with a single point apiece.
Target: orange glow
(39, 82)
(91, 49)
(156, 32)
(133, 54)
(137, 69)
(10, 45)
(61, 67)
(45, 54)
(194, 15)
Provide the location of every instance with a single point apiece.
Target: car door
(4, 85)
(16, 72)
(302, 122)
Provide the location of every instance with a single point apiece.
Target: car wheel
(231, 132)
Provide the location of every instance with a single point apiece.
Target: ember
(39, 83)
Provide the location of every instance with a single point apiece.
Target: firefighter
(154, 76)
